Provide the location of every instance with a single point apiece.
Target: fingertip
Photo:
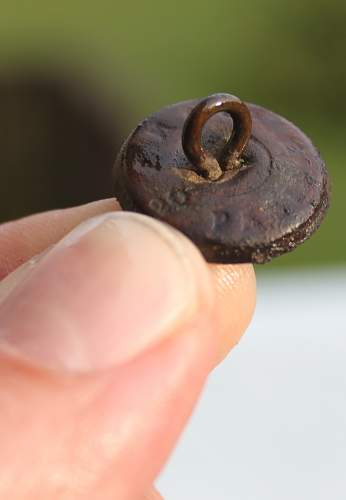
(115, 273)
(235, 286)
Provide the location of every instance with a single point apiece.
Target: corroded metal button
(242, 182)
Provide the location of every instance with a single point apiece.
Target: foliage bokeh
(288, 56)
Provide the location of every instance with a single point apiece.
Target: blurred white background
(271, 424)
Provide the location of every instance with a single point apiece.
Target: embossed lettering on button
(243, 183)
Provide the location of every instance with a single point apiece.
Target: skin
(85, 428)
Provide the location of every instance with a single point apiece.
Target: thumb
(105, 343)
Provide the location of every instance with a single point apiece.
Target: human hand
(106, 340)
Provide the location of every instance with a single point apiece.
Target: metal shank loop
(206, 164)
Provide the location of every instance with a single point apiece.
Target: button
(243, 183)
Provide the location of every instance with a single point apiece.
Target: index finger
(24, 238)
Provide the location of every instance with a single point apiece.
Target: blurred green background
(288, 56)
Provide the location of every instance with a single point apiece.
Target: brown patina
(243, 183)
